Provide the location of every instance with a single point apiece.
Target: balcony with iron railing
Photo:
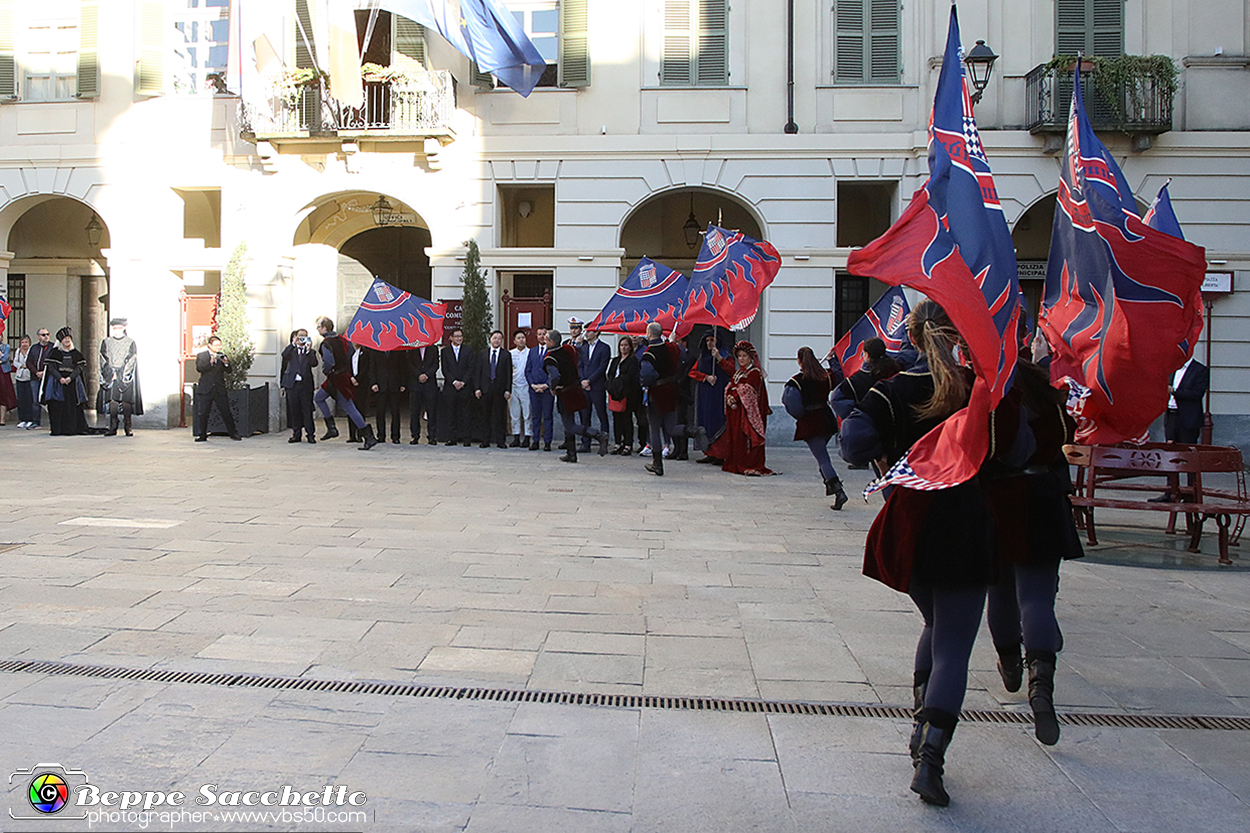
(418, 106)
(1129, 94)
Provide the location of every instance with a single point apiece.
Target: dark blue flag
(886, 320)
(652, 292)
(1161, 216)
(391, 319)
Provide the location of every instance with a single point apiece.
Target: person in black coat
(387, 372)
(298, 361)
(593, 357)
(423, 393)
(459, 377)
(1183, 421)
(211, 364)
(625, 396)
(493, 390)
(566, 384)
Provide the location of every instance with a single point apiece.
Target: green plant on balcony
(290, 84)
(401, 78)
(1124, 81)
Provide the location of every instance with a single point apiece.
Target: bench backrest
(1157, 457)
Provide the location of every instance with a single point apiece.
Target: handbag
(616, 406)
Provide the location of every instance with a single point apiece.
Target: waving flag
(652, 292)
(731, 272)
(483, 31)
(1160, 216)
(1123, 305)
(953, 245)
(6, 309)
(391, 319)
(886, 320)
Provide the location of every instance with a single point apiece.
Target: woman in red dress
(741, 446)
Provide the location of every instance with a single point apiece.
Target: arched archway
(57, 276)
(1031, 236)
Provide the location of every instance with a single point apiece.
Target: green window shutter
(712, 41)
(675, 60)
(8, 63)
(300, 45)
(409, 42)
(848, 24)
(1107, 29)
(150, 70)
(88, 51)
(1070, 27)
(479, 79)
(883, 58)
(574, 66)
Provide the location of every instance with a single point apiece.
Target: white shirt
(519, 359)
(1176, 382)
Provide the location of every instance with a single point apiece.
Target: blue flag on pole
(1160, 216)
(886, 320)
(652, 292)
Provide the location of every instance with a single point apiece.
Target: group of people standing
(53, 374)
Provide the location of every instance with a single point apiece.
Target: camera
(305, 340)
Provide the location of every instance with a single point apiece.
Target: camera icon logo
(49, 788)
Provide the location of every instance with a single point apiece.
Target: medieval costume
(566, 383)
(709, 396)
(741, 446)
(63, 390)
(119, 378)
(659, 369)
(336, 361)
(806, 398)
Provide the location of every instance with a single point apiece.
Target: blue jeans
(28, 401)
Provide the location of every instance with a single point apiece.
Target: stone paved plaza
(512, 571)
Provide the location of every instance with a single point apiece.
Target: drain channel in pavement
(622, 701)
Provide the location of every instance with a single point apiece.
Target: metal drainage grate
(622, 701)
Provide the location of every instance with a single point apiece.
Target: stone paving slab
(462, 568)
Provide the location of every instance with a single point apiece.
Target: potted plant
(250, 406)
(476, 317)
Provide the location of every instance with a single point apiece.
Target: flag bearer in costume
(806, 398)
(936, 546)
(561, 367)
(336, 361)
(741, 446)
(659, 369)
(119, 377)
(1035, 531)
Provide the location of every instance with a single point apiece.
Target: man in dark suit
(35, 361)
(458, 386)
(593, 358)
(298, 361)
(387, 372)
(423, 392)
(1183, 421)
(542, 401)
(211, 389)
(493, 390)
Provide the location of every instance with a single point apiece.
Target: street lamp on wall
(94, 230)
(382, 211)
(980, 62)
(691, 227)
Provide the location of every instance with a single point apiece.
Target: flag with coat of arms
(731, 272)
(652, 292)
(392, 319)
(886, 320)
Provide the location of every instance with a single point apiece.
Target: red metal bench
(1102, 468)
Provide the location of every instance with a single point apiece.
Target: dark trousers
(571, 427)
(494, 411)
(299, 403)
(36, 408)
(663, 425)
(388, 402)
(599, 402)
(204, 403)
(819, 446)
(423, 398)
(27, 410)
(458, 413)
(952, 616)
(1022, 607)
(1174, 433)
(623, 424)
(541, 407)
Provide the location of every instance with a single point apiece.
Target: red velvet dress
(741, 446)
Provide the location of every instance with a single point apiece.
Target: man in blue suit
(593, 359)
(542, 401)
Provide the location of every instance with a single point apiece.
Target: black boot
(126, 424)
(935, 737)
(1042, 696)
(112, 432)
(353, 433)
(570, 450)
(833, 486)
(920, 684)
(604, 438)
(516, 441)
(1010, 666)
(331, 431)
(366, 434)
(656, 466)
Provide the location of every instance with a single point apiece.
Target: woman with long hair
(936, 546)
(806, 398)
(741, 446)
(878, 364)
(624, 396)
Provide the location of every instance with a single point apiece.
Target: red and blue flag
(729, 276)
(886, 320)
(1123, 304)
(6, 309)
(652, 292)
(391, 319)
(953, 245)
(1160, 215)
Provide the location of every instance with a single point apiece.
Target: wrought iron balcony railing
(419, 106)
(1140, 105)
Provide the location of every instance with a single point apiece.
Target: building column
(5, 259)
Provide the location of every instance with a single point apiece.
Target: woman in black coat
(63, 390)
(625, 396)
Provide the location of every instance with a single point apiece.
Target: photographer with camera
(298, 361)
(211, 389)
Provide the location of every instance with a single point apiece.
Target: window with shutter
(302, 34)
(88, 53)
(409, 43)
(8, 60)
(574, 64)
(696, 43)
(1091, 27)
(866, 41)
(47, 49)
(150, 70)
